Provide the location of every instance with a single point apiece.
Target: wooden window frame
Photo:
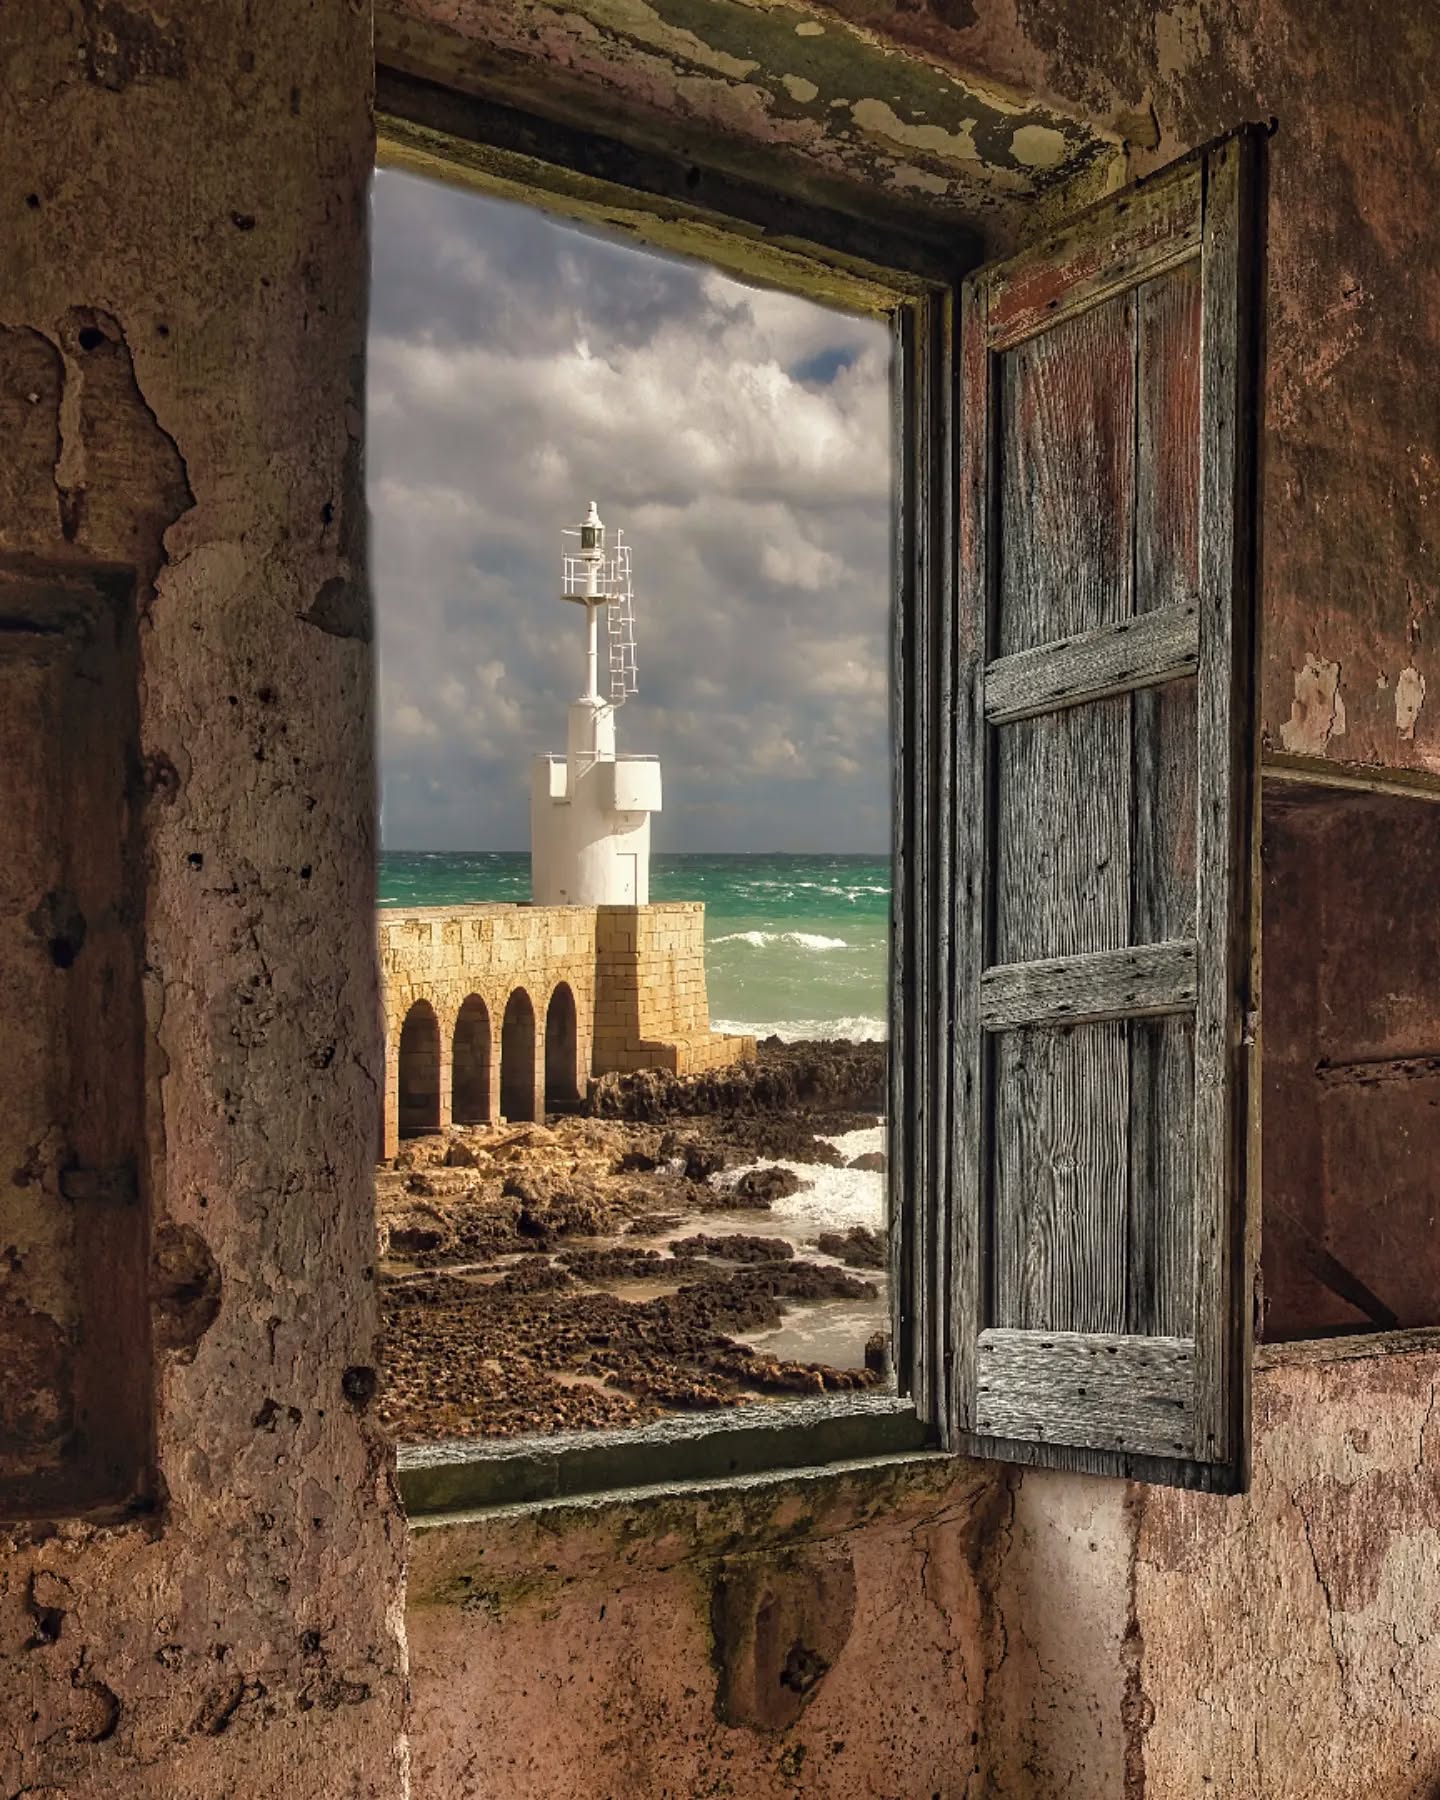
(904, 272)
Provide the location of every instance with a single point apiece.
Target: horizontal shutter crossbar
(1140, 981)
(1064, 1387)
(1139, 652)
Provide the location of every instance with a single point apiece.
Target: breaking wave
(860, 1028)
(803, 940)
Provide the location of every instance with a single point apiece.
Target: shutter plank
(1060, 1178)
(1228, 755)
(1079, 1388)
(1152, 228)
(1062, 822)
(1062, 833)
(971, 766)
(1161, 1255)
(1111, 984)
(1066, 479)
(1138, 652)
(1167, 574)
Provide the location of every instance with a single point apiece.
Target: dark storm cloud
(518, 368)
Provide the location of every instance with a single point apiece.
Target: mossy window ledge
(804, 1435)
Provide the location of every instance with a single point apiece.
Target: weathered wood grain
(1065, 436)
(1132, 653)
(1062, 833)
(1061, 1178)
(970, 757)
(1109, 984)
(1106, 487)
(921, 991)
(1228, 756)
(1128, 1393)
(1102, 252)
(1165, 746)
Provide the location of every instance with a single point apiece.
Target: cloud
(517, 369)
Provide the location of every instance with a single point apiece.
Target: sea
(795, 946)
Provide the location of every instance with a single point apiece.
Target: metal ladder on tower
(620, 625)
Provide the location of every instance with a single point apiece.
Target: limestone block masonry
(506, 1011)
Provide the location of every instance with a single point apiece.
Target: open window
(633, 1192)
(1072, 1006)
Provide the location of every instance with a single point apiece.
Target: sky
(519, 368)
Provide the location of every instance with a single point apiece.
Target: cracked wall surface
(182, 311)
(1325, 1684)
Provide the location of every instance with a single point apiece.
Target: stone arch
(419, 1086)
(470, 1064)
(562, 1050)
(517, 1058)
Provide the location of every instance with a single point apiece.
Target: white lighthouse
(590, 808)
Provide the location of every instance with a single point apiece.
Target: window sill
(1358, 1348)
(790, 1437)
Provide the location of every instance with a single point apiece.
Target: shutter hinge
(115, 1186)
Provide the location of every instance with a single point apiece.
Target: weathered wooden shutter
(1104, 764)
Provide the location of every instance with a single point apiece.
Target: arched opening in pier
(419, 1071)
(470, 1081)
(562, 1051)
(517, 1058)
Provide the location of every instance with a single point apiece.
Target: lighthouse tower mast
(590, 809)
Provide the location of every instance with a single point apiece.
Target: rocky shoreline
(539, 1278)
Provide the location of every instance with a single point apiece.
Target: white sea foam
(803, 940)
(860, 1028)
(831, 1199)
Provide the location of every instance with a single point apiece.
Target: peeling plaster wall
(1352, 449)
(182, 294)
(962, 1632)
(1325, 1685)
(825, 1637)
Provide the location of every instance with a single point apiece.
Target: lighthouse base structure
(498, 1012)
(590, 817)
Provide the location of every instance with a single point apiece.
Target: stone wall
(502, 962)
(653, 1008)
(182, 339)
(635, 975)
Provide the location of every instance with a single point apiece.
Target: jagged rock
(872, 1159)
(787, 1078)
(860, 1247)
(761, 1188)
(737, 1246)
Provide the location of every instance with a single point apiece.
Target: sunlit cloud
(519, 368)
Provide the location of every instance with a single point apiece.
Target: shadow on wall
(562, 1078)
(419, 1071)
(517, 1058)
(470, 1082)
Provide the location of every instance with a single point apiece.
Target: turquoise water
(797, 945)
